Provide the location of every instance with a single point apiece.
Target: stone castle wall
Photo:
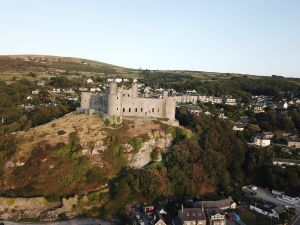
(126, 102)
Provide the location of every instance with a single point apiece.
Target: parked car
(236, 217)
(229, 216)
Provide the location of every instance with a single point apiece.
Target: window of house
(141, 109)
(117, 109)
(129, 110)
(128, 95)
(135, 109)
(117, 97)
(123, 109)
(153, 110)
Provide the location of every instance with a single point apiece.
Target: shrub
(61, 132)
(136, 143)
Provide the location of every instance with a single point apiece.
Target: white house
(238, 128)
(95, 89)
(261, 141)
(35, 92)
(89, 81)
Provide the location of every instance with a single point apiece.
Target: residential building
(41, 83)
(238, 127)
(222, 204)
(192, 216)
(35, 92)
(261, 141)
(89, 81)
(293, 142)
(215, 217)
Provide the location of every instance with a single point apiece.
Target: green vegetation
(136, 143)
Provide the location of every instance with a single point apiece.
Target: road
(81, 221)
(296, 221)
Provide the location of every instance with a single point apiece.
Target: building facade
(121, 102)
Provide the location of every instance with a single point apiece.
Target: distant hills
(34, 67)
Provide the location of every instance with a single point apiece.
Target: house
(194, 109)
(230, 101)
(266, 209)
(290, 198)
(56, 90)
(160, 216)
(215, 217)
(261, 141)
(293, 142)
(285, 162)
(41, 83)
(282, 105)
(69, 90)
(118, 80)
(268, 135)
(35, 92)
(95, 89)
(222, 204)
(258, 108)
(192, 216)
(89, 81)
(238, 127)
(82, 89)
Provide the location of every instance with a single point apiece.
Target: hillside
(34, 67)
(77, 154)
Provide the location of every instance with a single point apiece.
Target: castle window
(123, 94)
(128, 95)
(123, 109)
(117, 109)
(141, 109)
(135, 109)
(117, 97)
(129, 110)
(153, 110)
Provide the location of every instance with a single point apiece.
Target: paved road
(296, 221)
(82, 221)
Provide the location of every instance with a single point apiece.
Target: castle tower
(113, 88)
(85, 102)
(114, 101)
(134, 90)
(170, 104)
(165, 94)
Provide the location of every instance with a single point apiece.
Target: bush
(61, 132)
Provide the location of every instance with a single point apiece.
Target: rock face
(24, 208)
(159, 141)
(33, 209)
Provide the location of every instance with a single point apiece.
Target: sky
(259, 37)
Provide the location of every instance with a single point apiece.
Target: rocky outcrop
(24, 208)
(158, 141)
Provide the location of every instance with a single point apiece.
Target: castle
(118, 102)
